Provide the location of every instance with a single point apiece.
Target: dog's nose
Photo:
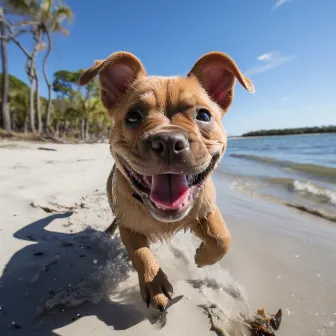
(168, 144)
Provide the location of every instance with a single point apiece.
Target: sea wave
(306, 168)
(306, 189)
(311, 189)
(315, 193)
(315, 200)
(313, 211)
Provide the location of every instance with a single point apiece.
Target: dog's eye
(133, 118)
(203, 115)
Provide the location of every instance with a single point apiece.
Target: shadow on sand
(61, 277)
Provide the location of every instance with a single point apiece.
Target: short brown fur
(168, 105)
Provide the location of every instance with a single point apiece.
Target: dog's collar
(137, 197)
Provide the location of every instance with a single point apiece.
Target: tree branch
(12, 36)
(24, 50)
(23, 31)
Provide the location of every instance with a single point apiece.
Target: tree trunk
(66, 128)
(87, 129)
(6, 117)
(45, 60)
(104, 131)
(83, 128)
(57, 128)
(32, 105)
(38, 39)
(32, 73)
(26, 123)
(38, 102)
(31, 78)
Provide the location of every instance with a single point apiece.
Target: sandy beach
(61, 275)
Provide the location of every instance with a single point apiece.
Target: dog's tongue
(169, 191)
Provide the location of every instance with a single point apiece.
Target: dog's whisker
(109, 155)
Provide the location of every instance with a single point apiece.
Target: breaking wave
(329, 196)
(305, 168)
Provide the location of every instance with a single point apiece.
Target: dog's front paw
(156, 290)
(200, 261)
(205, 256)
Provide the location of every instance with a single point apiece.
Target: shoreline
(276, 135)
(36, 138)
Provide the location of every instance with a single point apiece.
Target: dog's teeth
(189, 179)
(147, 180)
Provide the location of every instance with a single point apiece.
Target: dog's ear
(90, 73)
(217, 73)
(116, 74)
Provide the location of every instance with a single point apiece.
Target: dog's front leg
(154, 285)
(216, 239)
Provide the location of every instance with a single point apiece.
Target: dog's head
(167, 134)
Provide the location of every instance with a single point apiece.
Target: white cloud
(265, 57)
(279, 3)
(269, 61)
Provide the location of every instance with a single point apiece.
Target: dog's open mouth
(169, 193)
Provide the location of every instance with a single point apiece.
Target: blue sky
(287, 47)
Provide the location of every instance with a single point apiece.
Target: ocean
(296, 170)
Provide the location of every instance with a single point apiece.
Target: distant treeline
(288, 131)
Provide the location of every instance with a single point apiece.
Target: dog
(167, 139)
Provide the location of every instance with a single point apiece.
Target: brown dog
(167, 138)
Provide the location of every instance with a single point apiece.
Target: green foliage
(52, 14)
(40, 19)
(19, 101)
(18, 98)
(289, 131)
(23, 8)
(78, 107)
(44, 14)
(15, 83)
(64, 83)
(77, 111)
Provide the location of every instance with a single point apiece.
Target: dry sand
(61, 275)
